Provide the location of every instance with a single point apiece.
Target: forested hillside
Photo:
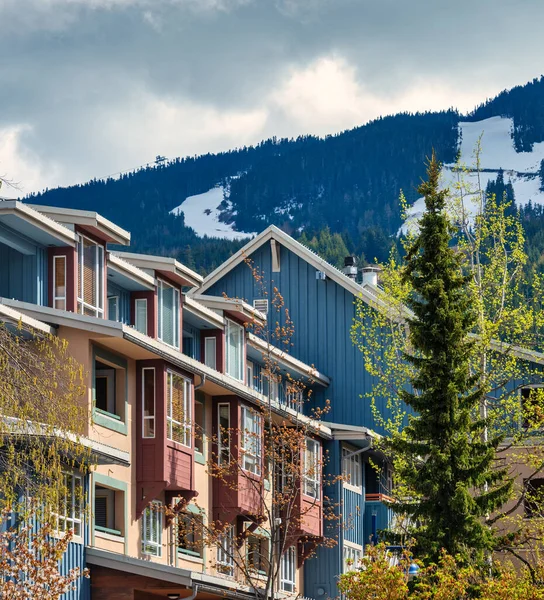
(346, 184)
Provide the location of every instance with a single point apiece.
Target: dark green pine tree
(446, 461)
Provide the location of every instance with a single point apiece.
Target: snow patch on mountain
(202, 213)
(497, 152)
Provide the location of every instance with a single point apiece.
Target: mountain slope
(349, 182)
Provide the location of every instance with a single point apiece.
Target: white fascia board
(203, 312)
(232, 305)
(14, 316)
(38, 219)
(88, 218)
(130, 270)
(288, 360)
(162, 263)
(66, 318)
(232, 385)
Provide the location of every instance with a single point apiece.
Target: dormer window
(234, 351)
(90, 288)
(168, 318)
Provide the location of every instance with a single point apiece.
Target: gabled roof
(88, 220)
(164, 265)
(236, 307)
(274, 233)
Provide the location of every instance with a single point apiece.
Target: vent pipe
(370, 274)
(350, 267)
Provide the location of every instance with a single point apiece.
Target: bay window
(178, 408)
(90, 288)
(252, 429)
(312, 468)
(234, 351)
(168, 317)
(225, 552)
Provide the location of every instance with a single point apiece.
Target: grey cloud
(67, 66)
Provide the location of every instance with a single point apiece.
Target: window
(69, 513)
(534, 498)
(252, 431)
(293, 399)
(90, 290)
(225, 552)
(288, 569)
(250, 376)
(152, 529)
(234, 340)
(190, 529)
(210, 352)
(113, 308)
(312, 469)
(261, 304)
(105, 502)
(199, 426)
(257, 554)
(140, 315)
(352, 557)
(178, 408)
(148, 403)
(59, 282)
(223, 433)
(352, 469)
(168, 304)
(531, 402)
(104, 384)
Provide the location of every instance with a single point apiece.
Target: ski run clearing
(497, 152)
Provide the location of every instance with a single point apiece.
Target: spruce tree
(448, 464)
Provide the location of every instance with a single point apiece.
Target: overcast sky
(89, 88)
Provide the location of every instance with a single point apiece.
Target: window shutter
(261, 304)
(89, 273)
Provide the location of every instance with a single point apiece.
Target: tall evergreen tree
(448, 464)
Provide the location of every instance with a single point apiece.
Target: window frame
(239, 376)
(138, 301)
(355, 467)
(151, 418)
(210, 363)
(191, 519)
(222, 435)
(250, 370)
(152, 515)
(251, 443)
(225, 552)
(312, 481)
(288, 570)
(186, 424)
(55, 268)
(352, 552)
(73, 521)
(99, 275)
(109, 299)
(524, 424)
(161, 284)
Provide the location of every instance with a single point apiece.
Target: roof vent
(350, 267)
(320, 275)
(370, 274)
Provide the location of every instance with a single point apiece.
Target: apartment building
(168, 364)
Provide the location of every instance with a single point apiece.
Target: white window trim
(220, 445)
(176, 316)
(251, 442)
(210, 363)
(239, 376)
(186, 424)
(351, 551)
(100, 269)
(225, 552)
(136, 302)
(55, 297)
(314, 480)
(144, 418)
(152, 515)
(110, 317)
(288, 570)
(355, 466)
(250, 370)
(70, 522)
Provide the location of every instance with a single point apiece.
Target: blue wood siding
(322, 313)
(23, 277)
(382, 515)
(124, 301)
(353, 510)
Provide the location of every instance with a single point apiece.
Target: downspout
(197, 387)
(193, 595)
